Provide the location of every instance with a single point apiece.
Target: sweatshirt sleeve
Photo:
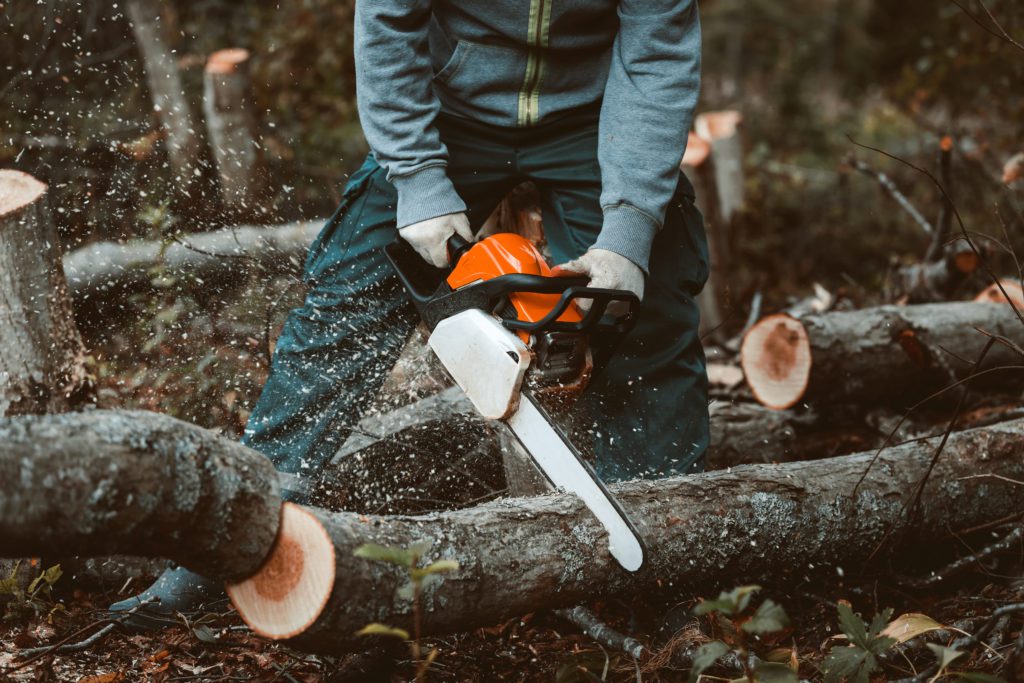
(397, 106)
(649, 101)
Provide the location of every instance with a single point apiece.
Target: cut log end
(966, 261)
(697, 151)
(993, 295)
(290, 590)
(226, 61)
(776, 360)
(714, 125)
(18, 190)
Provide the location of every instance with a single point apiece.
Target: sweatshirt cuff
(628, 232)
(427, 193)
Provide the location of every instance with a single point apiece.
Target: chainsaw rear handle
(435, 300)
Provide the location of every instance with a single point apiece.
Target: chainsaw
(511, 334)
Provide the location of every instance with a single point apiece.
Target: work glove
(606, 270)
(430, 237)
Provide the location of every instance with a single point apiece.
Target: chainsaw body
(509, 332)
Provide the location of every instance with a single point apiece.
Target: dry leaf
(909, 626)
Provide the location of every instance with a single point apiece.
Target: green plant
(36, 597)
(733, 607)
(420, 578)
(856, 661)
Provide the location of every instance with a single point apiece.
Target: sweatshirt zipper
(537, 40)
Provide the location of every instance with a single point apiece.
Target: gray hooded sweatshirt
(524, 62)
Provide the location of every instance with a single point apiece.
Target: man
(460, 101)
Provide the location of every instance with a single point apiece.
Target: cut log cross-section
(993, 294)
(41, 354)
(178, 491)
(894, 354)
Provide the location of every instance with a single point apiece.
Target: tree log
(183, 150)
(759, 522)
(890, 354)
(220, 257)
(231, 129)
(170, 489)
(41, 354)
(107, 482)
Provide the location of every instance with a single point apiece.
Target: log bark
(41, 355)
(164, 80)
(103, 269)
(752, 523)
(231, 129)
(107, 482)
(515, 556)
(890, 354)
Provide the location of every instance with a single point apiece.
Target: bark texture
(219, 257)
(889, 354)
(756, 522)
(107, 482)
(231, 128)
(164, 81)
(41, 354)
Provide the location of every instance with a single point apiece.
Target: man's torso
(518, 63)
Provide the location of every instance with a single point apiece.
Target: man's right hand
(430, 237)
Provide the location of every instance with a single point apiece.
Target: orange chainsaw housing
(503, 254)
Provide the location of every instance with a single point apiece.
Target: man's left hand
(606, 270)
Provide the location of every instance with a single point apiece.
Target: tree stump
(41, 354)
(231, 129)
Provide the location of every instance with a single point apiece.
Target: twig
(966, 562)
(34, 654)
(996, 29)
(992, 475)
(890, 187)
(601, 632)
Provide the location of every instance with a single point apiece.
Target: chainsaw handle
(594, 318)
(457, 246)
(435, 301)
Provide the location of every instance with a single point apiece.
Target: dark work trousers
(647, 398)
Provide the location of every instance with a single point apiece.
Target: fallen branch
(588, 622)
(103, 269)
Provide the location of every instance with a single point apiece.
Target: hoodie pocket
(449, 70)
(481, 81)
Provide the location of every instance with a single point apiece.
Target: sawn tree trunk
(41, 354)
